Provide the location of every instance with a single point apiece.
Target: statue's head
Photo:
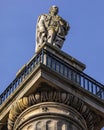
(53, 10)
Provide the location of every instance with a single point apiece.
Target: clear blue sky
(85, 40)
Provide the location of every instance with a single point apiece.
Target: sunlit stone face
(50, 116)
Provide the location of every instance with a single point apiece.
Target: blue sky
(85, 40)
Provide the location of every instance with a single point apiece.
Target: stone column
(50, 116)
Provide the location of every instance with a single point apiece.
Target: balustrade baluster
(88, 85)
(83, 82)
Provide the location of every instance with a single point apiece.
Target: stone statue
(51, 28)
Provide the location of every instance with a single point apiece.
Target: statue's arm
(41, 24)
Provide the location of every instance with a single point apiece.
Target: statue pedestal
(64, 57)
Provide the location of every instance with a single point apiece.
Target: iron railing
(76, 76)
(59, 66)
(21, 77)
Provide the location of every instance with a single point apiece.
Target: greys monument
(51, 92)
(51, 28)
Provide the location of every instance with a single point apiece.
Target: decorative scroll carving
(53, 96)
(51, 28)
(16, 109)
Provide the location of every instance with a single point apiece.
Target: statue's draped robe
(51, 29)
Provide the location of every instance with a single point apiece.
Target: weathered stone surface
(45, 105)
(51, 28)
(44, 85)
(48, 116)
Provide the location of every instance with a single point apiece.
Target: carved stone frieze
(53, 96)
(55, 113)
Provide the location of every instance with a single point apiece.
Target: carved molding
(50, 111)
(53, 96)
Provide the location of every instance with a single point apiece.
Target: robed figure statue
(51, 28)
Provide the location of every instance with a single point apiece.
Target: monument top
(51, 28)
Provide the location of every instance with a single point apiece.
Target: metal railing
(59, 66)
(75, 76)
(21, 77)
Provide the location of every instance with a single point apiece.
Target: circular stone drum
(50, 116)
